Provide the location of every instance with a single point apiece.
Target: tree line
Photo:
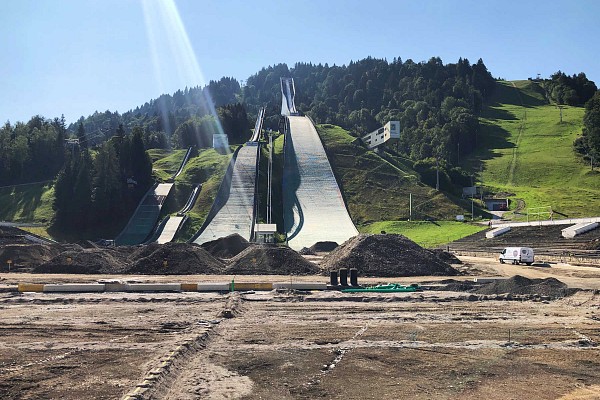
(32, 151)
(95, 187)
(573, 90)
(437, 104)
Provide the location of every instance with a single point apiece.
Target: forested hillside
(437, 105)
(451, 116)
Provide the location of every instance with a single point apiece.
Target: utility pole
(472, 209)
(269, 178)
(410, 206)
(458, 144)
(437, 174)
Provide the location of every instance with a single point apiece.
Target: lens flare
(170, 46)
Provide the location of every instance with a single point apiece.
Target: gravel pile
(181, 259)
(386, 255)
(521, 285)
(227, 247)
(270, 260)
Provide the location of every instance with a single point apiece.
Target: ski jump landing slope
(233, 209)
(314, 209)
(144, 219)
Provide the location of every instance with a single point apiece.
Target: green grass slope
(27, 203)
(426, 233)
(524, 149)
(376, 189)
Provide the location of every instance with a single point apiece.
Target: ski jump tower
(288, 91)
(313, 206)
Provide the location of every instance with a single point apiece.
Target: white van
(517, 255)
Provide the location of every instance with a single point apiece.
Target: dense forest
(32, 151)
(93, 188)
(573, 90)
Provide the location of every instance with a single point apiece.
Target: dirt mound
(227, 247)
(386, 255)
(270, 260)
(521, 285)
(324, 246)
(305, 251)
(446, 256)
(180, 258)
(84, 261)
(27, 255)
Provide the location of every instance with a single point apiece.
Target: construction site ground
(302, 345)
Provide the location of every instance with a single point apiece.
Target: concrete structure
(220, 141)
(169, 229)
(389, 132)
(497, 232)
(570, 221)
(233, 209)
(265, 233)
(313, 205)
(496, 204)
(144, 219)
(578, 229)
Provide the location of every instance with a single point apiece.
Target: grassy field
(428, 234)
(525, 150)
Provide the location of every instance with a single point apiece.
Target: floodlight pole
(410, 206)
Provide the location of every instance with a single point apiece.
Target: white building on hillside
(390, 131)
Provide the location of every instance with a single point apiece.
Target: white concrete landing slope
(169, 229)
(233, 209)
(313, 207)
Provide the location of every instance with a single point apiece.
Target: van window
(524, 251)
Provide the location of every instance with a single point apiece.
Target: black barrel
(343, 276)
(353, 277)
(333, 278)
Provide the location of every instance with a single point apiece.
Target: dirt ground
(302, 345)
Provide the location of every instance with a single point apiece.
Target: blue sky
(74, 57)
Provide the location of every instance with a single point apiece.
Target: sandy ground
(427, 345)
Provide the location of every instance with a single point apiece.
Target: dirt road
(302, 345)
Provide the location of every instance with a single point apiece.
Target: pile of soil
(227, 247)
(181, 259)
(324, 247)
(446, 256)
(84, 261)
(521, 285)
(305, 251)
(386, 255)
(27, 254)
(270, 260)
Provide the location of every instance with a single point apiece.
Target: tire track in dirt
(170, 378)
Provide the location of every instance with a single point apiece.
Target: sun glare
(171, 47)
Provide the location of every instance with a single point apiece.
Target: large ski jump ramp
(314, 209)
(233, 209)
